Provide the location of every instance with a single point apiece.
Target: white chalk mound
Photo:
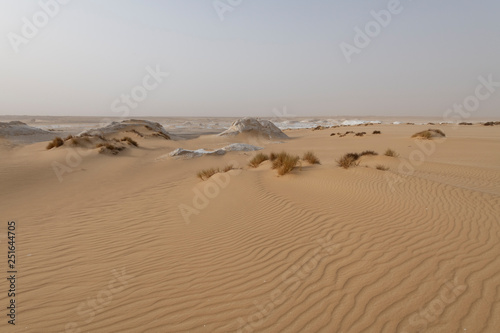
(17, 128)
(241, 147)
(256, 126)
(140, 127)
(220, 151)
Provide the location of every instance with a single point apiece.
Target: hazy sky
(264, 54)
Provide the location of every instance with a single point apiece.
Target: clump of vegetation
(369, 153)
(273, 156)
(207, 173)
(492, 123)
(258, 159)
(57, 142)
(136, 132)
(69, 137)
(464, 123)
(391, 153)
(333, 134)
(285, 163)
(130, 141)
(429, 134)
(359, 134)
(109, 147)
(162, 135)
(311, 158)
(381, 167)
(377, 132)
(348, 160)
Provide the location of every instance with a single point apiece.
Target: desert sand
(135, 242)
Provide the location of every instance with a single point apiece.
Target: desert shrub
(130, 141)
(492, 123)
(311, 158)
(258, 159)
(333, 134)
(161, 135)
(359, 134)
(369, 153)
(428, 134)
(377, 132)
(285, 163)
(69, 137)
(464, 123)
(391, 153)
(57, 142)
(423, 135)
(381, 167)
(273, 156)
(207, 173)
(76, 141)
(348, 160)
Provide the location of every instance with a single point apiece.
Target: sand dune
(130, 243)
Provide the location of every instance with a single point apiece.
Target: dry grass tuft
(377, 132)
(130, 141)
(57, 142)
(429, 134)
(69, 137)
(109, 147)
(207, 173)
(381, 167)
(348, 160)
(258, 159)
(273, 156)
(391, 153)
(311, 158)
(285, 163)
(368, 153)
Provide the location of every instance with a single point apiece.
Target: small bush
(368, 152)
(57, 142)
(333, 134)
(424, 135)
(207, 173)
(69, 137)
(359, 134)
(429, 134)
(273, 156)
(377, 132)
(258, 159)
(311, 158)
(348, 160)
(130, 141)
(381, 167)
(391, 153)
(464, 123)
(285, 163)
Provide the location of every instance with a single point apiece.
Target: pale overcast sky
(247, 57)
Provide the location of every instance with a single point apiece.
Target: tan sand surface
(323, 249)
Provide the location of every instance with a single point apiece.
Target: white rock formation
(256, 126)
(128, 125)
(221, 151)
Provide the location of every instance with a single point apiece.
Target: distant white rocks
(221, 151)
(17, 128)
(140, 127)
(254, 126)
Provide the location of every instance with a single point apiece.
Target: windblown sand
(107, 249)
